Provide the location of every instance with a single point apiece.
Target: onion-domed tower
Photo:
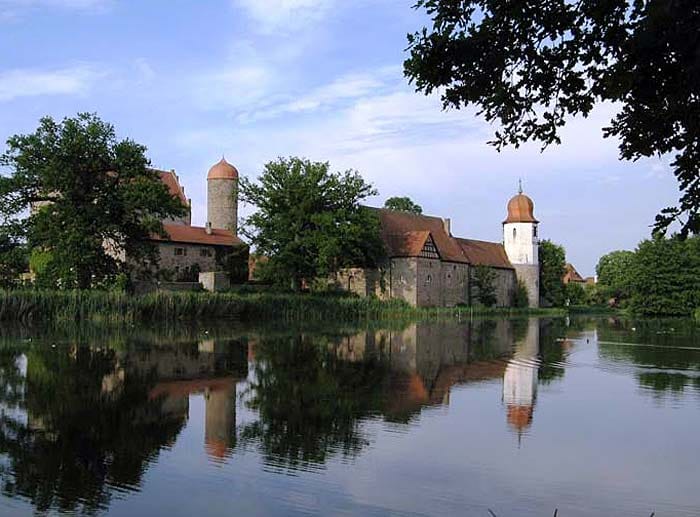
(222, 197)
(521, 243)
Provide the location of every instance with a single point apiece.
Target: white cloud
(32, 82)
(284, 15)
(345, 89)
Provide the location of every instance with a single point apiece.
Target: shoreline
(118, 307)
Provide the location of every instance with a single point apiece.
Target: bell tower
(521, 242)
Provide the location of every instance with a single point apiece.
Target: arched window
(514, 233)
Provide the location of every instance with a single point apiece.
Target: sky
(257, 79)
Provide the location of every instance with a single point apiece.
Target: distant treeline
(660, 277)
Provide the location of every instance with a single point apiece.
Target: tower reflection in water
(214, 371)
(520, 379)
(79, 420)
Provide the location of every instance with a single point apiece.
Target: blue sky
(257, 79)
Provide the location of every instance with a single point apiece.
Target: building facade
(429, 267)
(186, 250)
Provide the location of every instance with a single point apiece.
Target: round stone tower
(521, 243)
(222, 197)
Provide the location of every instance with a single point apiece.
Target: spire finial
(520, 186)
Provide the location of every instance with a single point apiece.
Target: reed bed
(36, 306)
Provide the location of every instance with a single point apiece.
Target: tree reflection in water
(309, 400)
(79, 421)
(665, 352)
(311, 394)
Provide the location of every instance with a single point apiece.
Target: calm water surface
(590, 416)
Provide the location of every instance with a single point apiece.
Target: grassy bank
(39, 306)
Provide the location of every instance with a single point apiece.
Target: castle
(187, 250)
(429, 267)
(426, 265)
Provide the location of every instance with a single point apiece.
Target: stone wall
(530, 276)
(222, 204)
(423, 282)
(504, 283)
(429, 283)
(191, 255)
(215, 281)
(402, 283)
(455, 284)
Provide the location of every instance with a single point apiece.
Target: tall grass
(110, 307)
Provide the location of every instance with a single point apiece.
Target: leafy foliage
(552, 269)
(88, 192)
(13, 259)
(484, 278)
(234, 262)
(403, 204)
(308, 221)
(575, 293)
(531, 65)
(666, 276)
(615, 270)
(661, 277)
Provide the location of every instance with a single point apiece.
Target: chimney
(447, 224)
(207, 228)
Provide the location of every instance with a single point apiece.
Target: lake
(590, 416)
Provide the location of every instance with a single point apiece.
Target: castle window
(514, 233)
(534, 231)
(428, 280)
(179, 252)
(429, 249)
(205, 252)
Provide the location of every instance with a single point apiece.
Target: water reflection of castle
(520, 379)
(212, 370)
(428, 359)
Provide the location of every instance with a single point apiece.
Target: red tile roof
(408, 244)
(402, 230)
(571, 275)
(404, 235)
(171, 181)
(482, 253)
(198, 235)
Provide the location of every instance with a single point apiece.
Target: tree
(615, 272)
(484, 278)
(309, 222)
(13, 258)
(91, 197)
(666, 276)
(531, 65)
(552, 269)
(403, 204)
(575, 293)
